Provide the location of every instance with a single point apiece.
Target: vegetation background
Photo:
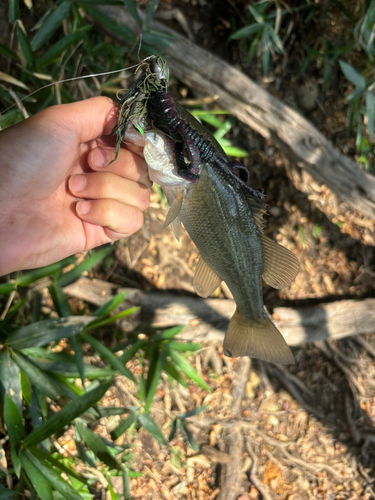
(78, 397)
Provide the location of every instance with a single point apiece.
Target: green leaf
(9, 53)
(6, 494)
(7, 287)
(119, 29)
(76, 345)
(370, 112)
(151, 11)
(52, 477)
(40, 483)
(25, 47)
(36, 376)
(170, 369)
(147, 422)
(47, 331)
(60, 301)
(129, 354)
(86, 265)
(185, 430)
(167, 334)
(173, 429)
(66, 415)
(153, 377)
(36, 274)
(124, 425)
(114, 361)
(245, 32)
(104, 310)
(61, 45)
(111, 319)
(257, 15)
(13, 11)
(13, 421)
(50, 25)
(7, 120)
(10, 379)
(25, 386)
(126, 483)
(186, 368)
(96, 444)
(235, 152)
(193, 412)
(352, 75)
(132, 8)
(42, 455)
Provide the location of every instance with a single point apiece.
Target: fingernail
(83, 207)
(77, 182)
(99, 158)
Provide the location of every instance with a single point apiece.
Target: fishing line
(72, 79)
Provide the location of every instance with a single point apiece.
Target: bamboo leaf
(13, 11)
(36, 274)
(186, 368)
(42, 455)
(7, 52)
(10, 379)
(132, 8)
(86, 265)
(352, 75)
(36, 376)
(147, 422)
(61, 45)
(50, 25)
(40, 483)
(96, 444)
(151, 11)
(153, 378)
(13, 421)
(114, 361)
(124, 425)
(52, 477)
(47, 331)
(25, 47)
(167, 334)
(117, 28)
(60, 301)
(370, 112)
(64, 417)
(104, 310)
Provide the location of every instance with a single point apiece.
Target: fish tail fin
(256, 339)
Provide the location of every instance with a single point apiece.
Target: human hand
(49, 162)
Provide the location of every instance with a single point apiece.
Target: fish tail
(257, 339)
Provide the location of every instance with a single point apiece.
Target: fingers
(108, 185)
(119, 220)
(128, 164)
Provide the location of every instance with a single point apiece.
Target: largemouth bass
(223, 215)
(225, 223)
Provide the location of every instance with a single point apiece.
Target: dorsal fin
(280, 265)
(206, 280)
(174, 210)
(258, 208)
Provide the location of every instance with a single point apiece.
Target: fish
(210, 196)
(225, 222)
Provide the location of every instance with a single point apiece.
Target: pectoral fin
(174, 210)
(280, 265)
(206, 280)
(256, 339)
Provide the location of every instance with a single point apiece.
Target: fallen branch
(207, 319)
(255, 107)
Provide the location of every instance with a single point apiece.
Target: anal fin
(280, 265)
(206, 280)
